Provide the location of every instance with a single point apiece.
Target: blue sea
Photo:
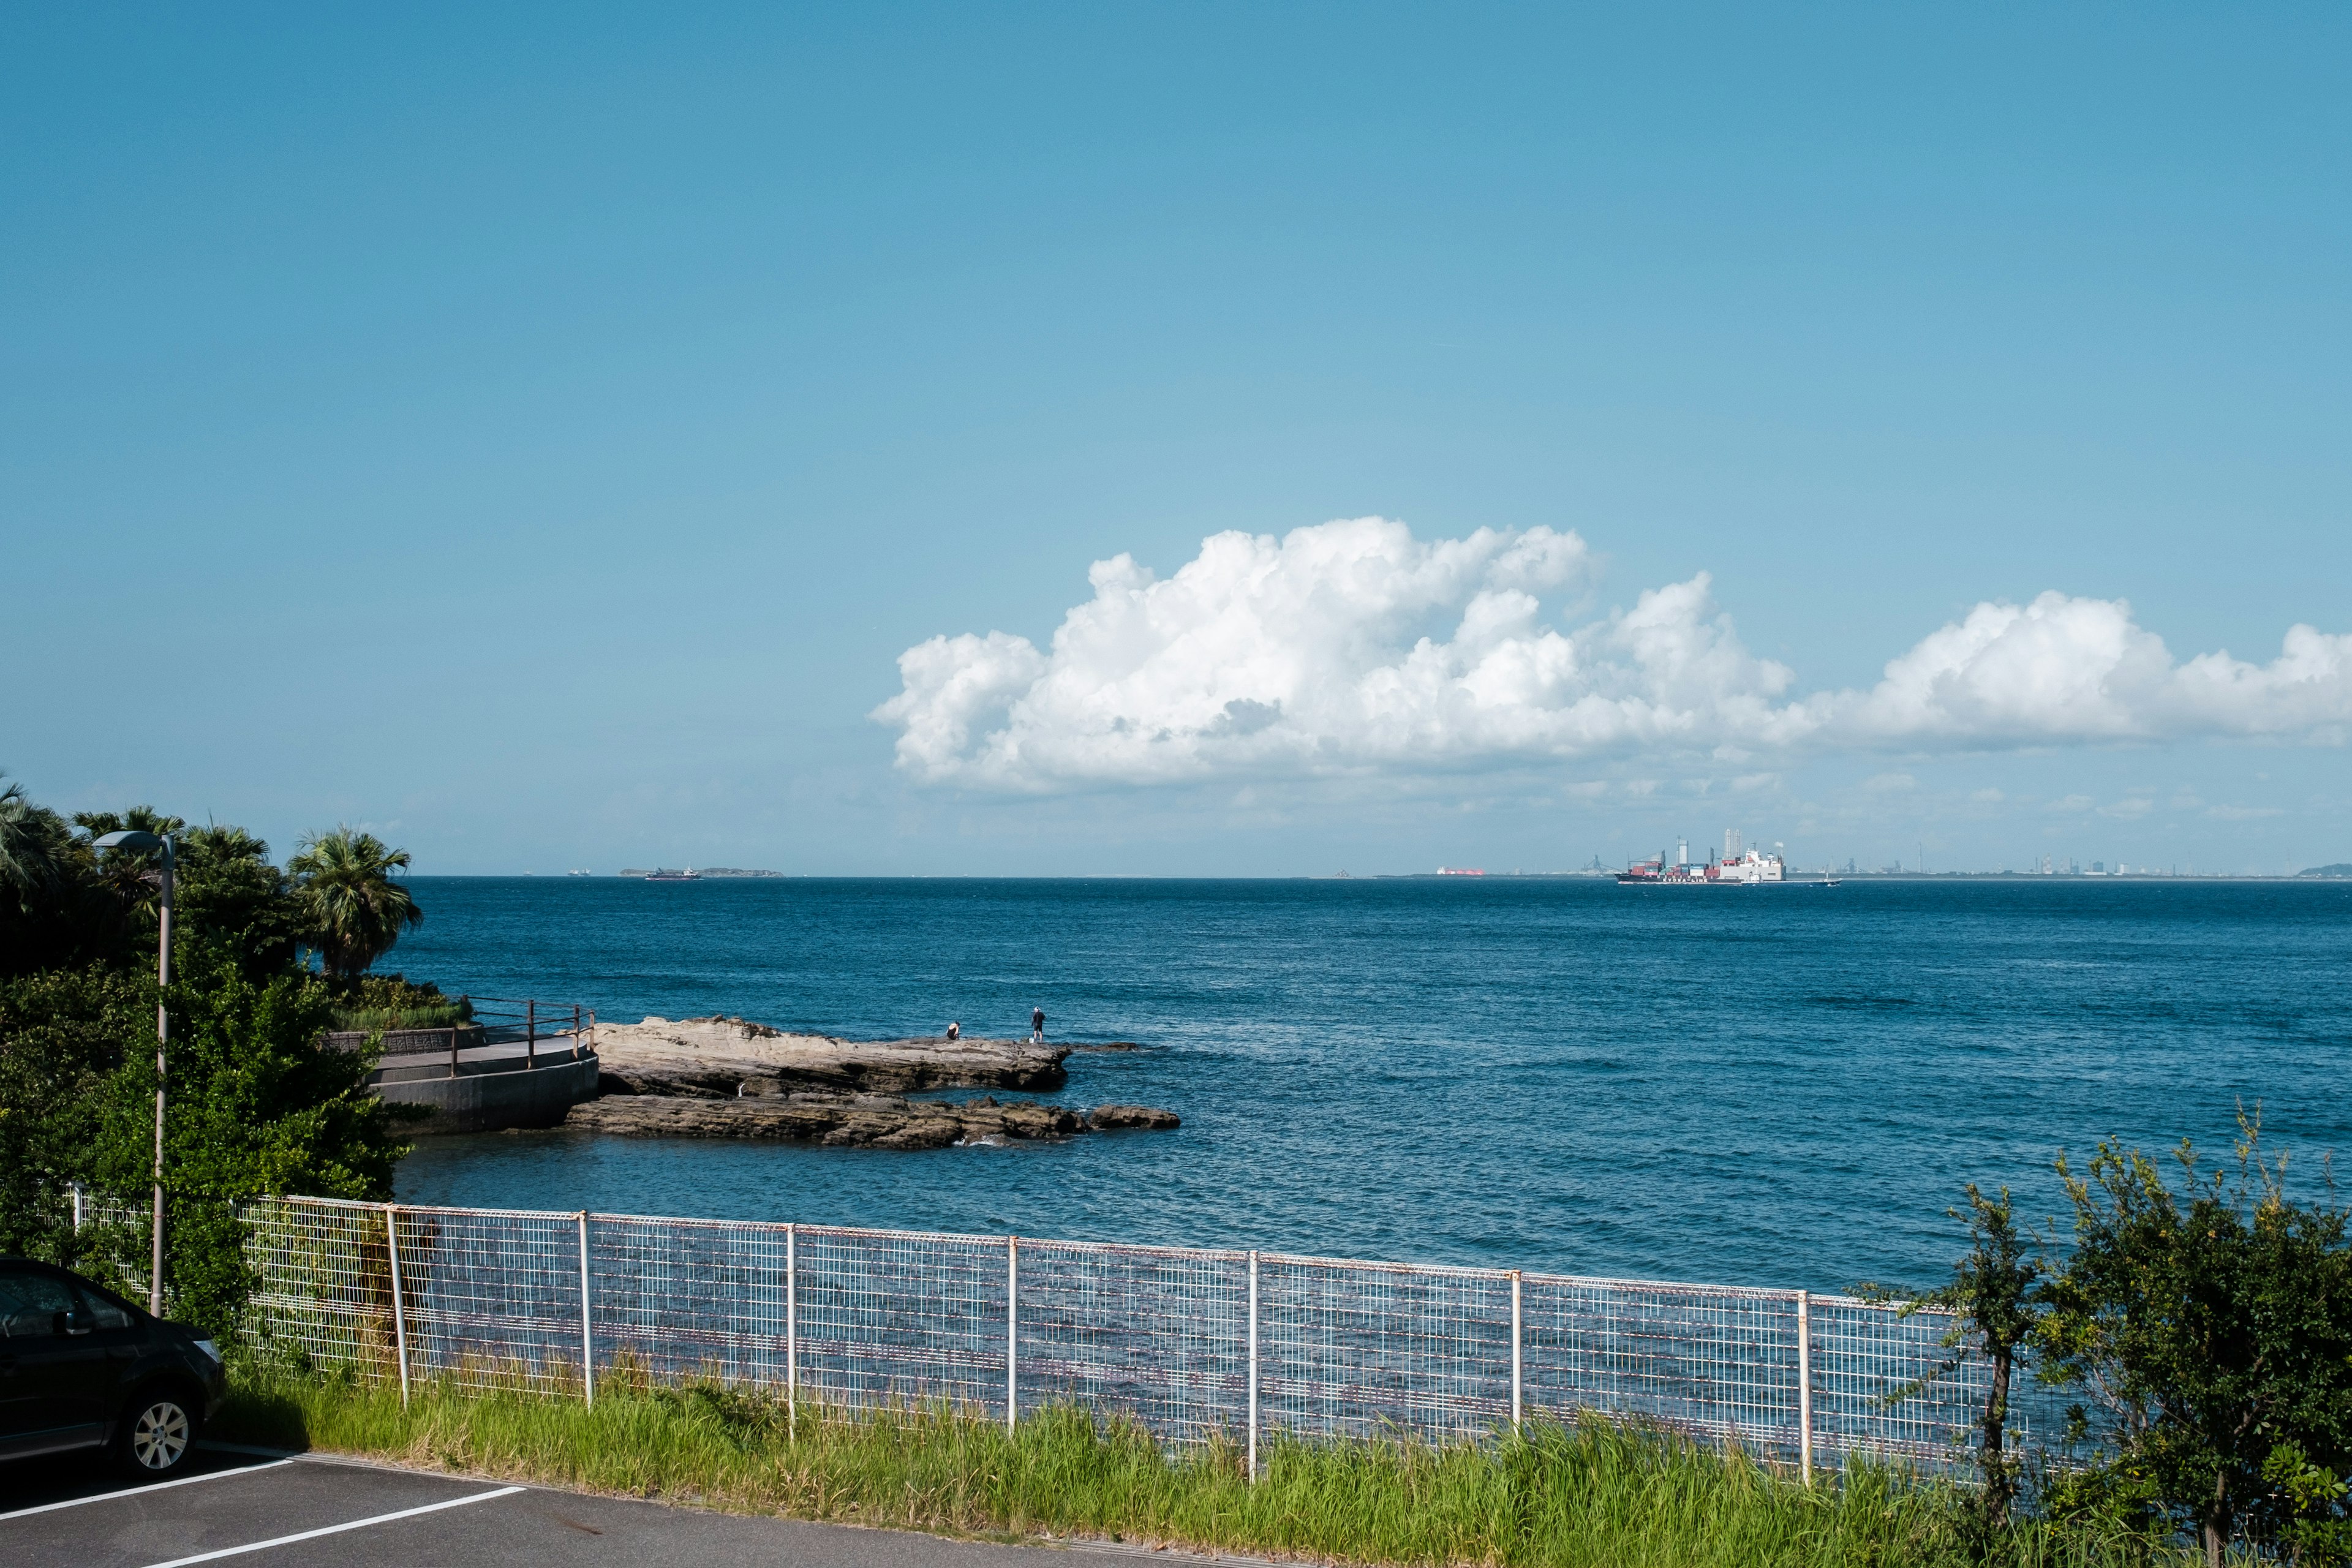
(1783, 1086)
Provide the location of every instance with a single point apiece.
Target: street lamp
(134, 839)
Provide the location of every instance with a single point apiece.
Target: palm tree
(134, 876)
(34, 846)
(353, 909)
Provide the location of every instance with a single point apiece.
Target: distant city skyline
(1049, 440)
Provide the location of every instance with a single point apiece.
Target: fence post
(587, 1328)
(75, 1187)
(399, 1307)
(530, 1033)
(792, 1332)
(1011, 1334)
(1252, 1367)
(575, 1031)
(453, 1050)
(1516, 1364)
(1805, 1386)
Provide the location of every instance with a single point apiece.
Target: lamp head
(131, 839)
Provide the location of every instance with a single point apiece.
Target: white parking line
(335, 1529)
(154, 1487)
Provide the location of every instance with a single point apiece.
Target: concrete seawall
(489, 1096)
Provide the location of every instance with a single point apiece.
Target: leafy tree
(2213, 1326)
(225, 893)
(255, 1107)
(354, 907)
(1996, 1297)
(61, 1038)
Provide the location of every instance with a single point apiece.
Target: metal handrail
(512, 1020)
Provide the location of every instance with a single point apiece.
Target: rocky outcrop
(850, 1120)
(1115, 1118)
(727, 1078)
(717, 1057)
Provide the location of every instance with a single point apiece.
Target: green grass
(1596, 1494)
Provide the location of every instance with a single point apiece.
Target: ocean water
(1781, 1086)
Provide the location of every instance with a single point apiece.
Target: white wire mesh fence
(113, 1229)
(1194, 1345)
(1712, 1360)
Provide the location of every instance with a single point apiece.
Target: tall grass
(1595, 1495)
(415, 1015)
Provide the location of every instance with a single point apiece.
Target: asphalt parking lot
(319, 1512)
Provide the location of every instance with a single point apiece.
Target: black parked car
(83, 1368)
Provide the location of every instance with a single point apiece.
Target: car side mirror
(74, 1323)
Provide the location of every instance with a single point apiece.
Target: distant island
(705, 871)
(2341, 868)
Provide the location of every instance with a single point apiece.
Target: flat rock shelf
(856, 1121)
(726, 1077)
(715, 1054)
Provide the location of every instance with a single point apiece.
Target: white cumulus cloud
(2064, 668)
(1352, 646)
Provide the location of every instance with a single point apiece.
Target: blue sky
(539, 433)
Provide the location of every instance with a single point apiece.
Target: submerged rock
(1114, 1118)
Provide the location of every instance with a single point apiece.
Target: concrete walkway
(503, 1056)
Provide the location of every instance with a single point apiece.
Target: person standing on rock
(1036, 1025)
(955, 1031)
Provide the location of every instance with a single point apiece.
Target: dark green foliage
(55, 911)
(62, 905)
(226, 895)
(33, 842)
(232, 898)
(254, 1107)
(2212, 1328)
(61, 1041)
(395, 1002)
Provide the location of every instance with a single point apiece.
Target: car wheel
(159, 1432)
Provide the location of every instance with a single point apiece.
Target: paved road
(314, 1511)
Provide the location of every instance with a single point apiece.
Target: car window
(103, 1313)
(30, 1302)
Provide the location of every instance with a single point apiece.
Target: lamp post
(134, 839)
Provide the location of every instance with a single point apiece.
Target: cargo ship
(1747, 871)
(689, 875)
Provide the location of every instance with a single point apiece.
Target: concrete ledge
(489, 1101)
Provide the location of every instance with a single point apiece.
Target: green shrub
(395, 1002)
(439, 1016)
(2211, 1326)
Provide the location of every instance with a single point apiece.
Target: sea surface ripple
(1782, 1086)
